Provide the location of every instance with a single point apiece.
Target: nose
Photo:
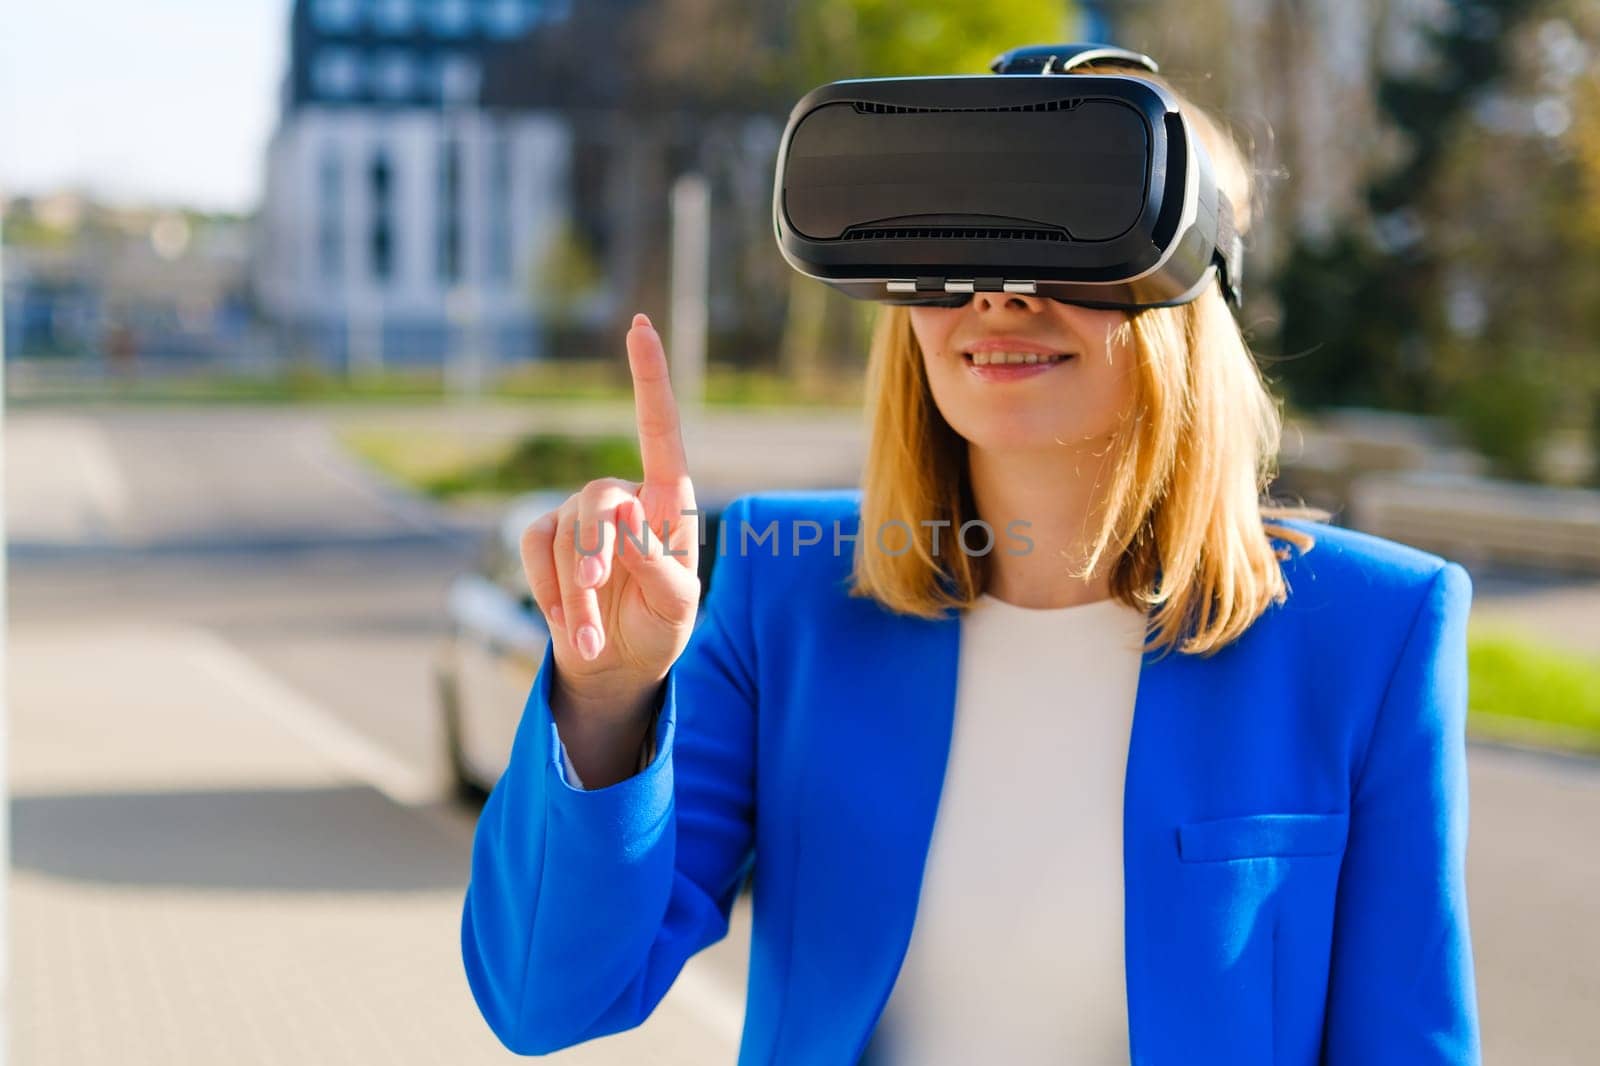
(1006, 301)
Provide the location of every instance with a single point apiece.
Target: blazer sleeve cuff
(634, 806)
(647, 751)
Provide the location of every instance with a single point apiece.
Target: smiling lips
(1009, 358)
(1011, 351)
(1013, 358)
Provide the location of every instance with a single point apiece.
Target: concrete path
(228, 838)
(209, 868)
(1533, 864)
(183, 478)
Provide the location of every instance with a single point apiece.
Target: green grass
(1521, 690)
(446, 468)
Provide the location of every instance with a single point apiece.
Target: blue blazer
(1294, 824)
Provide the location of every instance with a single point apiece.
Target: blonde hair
(1185, 497)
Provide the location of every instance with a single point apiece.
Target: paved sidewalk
(1532, 866)
(188, 479)
(208, 870)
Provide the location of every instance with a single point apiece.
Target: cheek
(1100, 332)
(1109, 379)
(932, 326)
(1111, 355)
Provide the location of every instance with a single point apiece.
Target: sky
(165, 102)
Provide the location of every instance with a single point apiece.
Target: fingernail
(558, 616)
(642, 319)
(589, 571)
(588, 641)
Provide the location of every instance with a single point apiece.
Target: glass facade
(508, 18)
(415, 52)
(336, 73)
(453, 19)
(336, 16)
(394, 75)
(393, 16)
(450, 18)
(459, 78)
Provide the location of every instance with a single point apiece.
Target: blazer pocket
(1259, 836)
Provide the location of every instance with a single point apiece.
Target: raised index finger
(655, 409)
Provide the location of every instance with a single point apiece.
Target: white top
(1016, 949)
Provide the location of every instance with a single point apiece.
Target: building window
(393, 16)
(330, 216)
(381, 241)
(451, 18)
(499, 212)
(335, 16)
(450, 211)
(507, 18)
(336, 73)
(458, 80)
(394, 76)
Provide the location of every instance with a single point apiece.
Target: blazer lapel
(872, 779)
(1167, 686)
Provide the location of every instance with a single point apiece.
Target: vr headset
(1091, 189)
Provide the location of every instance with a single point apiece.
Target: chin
(1018, 435)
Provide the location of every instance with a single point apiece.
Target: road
(229, 842)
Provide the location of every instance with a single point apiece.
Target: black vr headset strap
(1229, 256)
(1060, 58)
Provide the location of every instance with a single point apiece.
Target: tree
(1362, 311)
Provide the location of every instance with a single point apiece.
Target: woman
(1162, 773)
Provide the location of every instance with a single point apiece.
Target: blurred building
(698, 93)
(114, 287)
(404, 220)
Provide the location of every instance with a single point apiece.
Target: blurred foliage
(1467, 289)
(568, 273)
(1367, 301)
(64, 220)
(1505, 415)
(1586, 146)
(419, 456)
(545, 460)
(896, 38)
(22, 226)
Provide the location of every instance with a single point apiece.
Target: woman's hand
(617, 624)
